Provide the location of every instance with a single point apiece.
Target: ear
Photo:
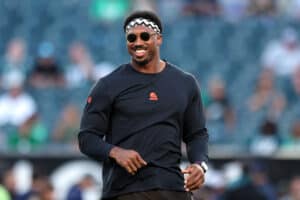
(159, 39)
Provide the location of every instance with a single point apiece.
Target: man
(144, 109)
(77, 190)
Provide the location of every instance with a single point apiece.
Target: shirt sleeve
(194, 131)
(94, 124)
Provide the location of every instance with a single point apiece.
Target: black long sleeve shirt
(148, 113)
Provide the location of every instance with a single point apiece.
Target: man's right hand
(130, 160)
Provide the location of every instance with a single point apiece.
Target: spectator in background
(41, 189)
(47, 192)
(16, 106)
(80, 70)
(144, 5)
(77, 190)
(266, 98)
(201, 8)
(294, 190)
(9, 183)
(262, 8)
(102, 69)
(29, 135)
(67, 126)
(292, 141)
(220, 114)
(233, 10)
(294, 94)
(15, 59)
(46, 71)
(4, 195)
(283, 56)
(108, 10)
(244, 188)
(266, 141)
(260, 179)
(290, 8)
(170, 10)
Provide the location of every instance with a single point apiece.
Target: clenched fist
(195, 178)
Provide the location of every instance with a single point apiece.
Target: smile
(140, 52)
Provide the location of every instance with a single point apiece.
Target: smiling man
(135, 119)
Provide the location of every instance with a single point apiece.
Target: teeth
(140, 51)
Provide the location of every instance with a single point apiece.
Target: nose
(138, 41)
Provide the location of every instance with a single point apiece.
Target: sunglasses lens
(131, 37)
(145, 36)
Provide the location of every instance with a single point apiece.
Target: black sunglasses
(145, 36)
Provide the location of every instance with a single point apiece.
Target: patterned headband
(143, 22)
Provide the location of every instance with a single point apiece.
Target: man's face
(143, 44)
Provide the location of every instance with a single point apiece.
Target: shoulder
(113, 76)
(107, 84)
(180, 72)
(116, 73)
(188, 78)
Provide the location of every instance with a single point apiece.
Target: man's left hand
(195, 178)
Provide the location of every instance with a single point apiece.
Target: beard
(141, 62)
(145, 61)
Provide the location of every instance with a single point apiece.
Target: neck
(155, 66)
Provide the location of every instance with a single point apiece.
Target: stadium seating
(203, 46)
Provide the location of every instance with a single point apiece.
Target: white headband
(143, 22)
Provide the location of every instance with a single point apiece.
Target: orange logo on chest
(153, 96)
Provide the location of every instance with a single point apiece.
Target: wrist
(203, 165)
(113, 152)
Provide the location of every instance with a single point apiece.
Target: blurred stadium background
(244, 53)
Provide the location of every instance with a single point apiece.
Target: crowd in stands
(43, 89)
(23, 85)
(29, 91)
(247, 64)
(232, 10)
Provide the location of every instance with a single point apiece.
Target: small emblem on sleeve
(89, 99)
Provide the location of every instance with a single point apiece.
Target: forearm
(197, 147)
(93, 146)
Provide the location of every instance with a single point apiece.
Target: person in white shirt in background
(16, 106)
(283, 56)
